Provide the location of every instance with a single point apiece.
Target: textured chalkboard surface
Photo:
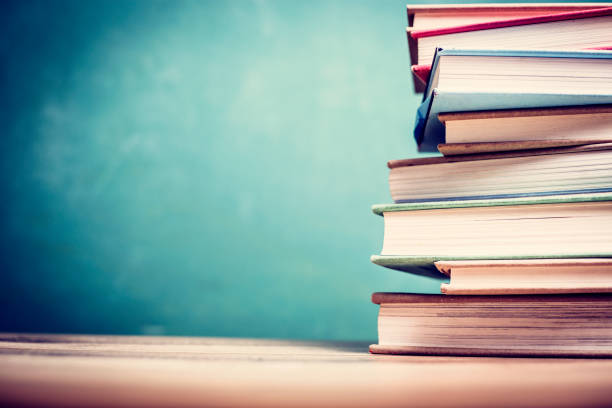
(201, 168)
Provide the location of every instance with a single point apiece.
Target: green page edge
(424, 265)
(379, 209)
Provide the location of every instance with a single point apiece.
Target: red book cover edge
(546, 18)
(421, 72)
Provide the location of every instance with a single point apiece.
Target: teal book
(477, 80)
(547, 227)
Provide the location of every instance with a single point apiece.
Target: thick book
(560, 227)
(587, 123)
(557, 31)
(526, 276)
(542, 325)
(522, 173)
(479, 80)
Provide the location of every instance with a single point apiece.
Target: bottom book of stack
(577, 325)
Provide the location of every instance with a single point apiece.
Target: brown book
(527, 147)
(566, 125)
(544, 325)
(526, 276)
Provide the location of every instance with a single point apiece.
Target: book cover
(576, 325)
(424, 265)
(414, 34)
(544, 18)
(494, 11)
(421, 76)
(429, 130)
(380, 209)
(527, 276)
(519, 148)
(462, 152)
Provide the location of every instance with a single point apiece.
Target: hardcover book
(586, 123)
(544, 325)
(523, 173)
(435, 16)
(557, 31)
(478, 80)
(560, 227)
(526, 276)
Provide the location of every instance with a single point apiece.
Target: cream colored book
(526, 276)
(572, 124)
(544, 325)
(529, 172)
(564, 226)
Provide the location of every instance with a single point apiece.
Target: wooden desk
(58, 370)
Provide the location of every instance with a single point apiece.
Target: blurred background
(199, 167)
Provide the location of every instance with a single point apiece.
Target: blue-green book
(476, 80)
(547, 227)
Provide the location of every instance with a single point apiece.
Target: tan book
(527, 147)
(544, 325)
(565, 125)
(526, 276)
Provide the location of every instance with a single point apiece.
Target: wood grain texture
(109, 371)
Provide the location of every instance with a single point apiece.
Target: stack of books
(515, 216)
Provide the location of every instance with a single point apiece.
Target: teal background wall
(199, 168)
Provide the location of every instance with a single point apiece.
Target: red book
(430, 16)
(583, 29)
(573, 15)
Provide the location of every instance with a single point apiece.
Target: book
(522, 146)
(477, 80)
(420, 73)
(526, 276)
(523, 173)
(589, 123)
(556, 31)
(561, 226)
(433, 16)
(528, 325)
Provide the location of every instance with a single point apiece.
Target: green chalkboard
(199, 167)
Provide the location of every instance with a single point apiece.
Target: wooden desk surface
(62, 370)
